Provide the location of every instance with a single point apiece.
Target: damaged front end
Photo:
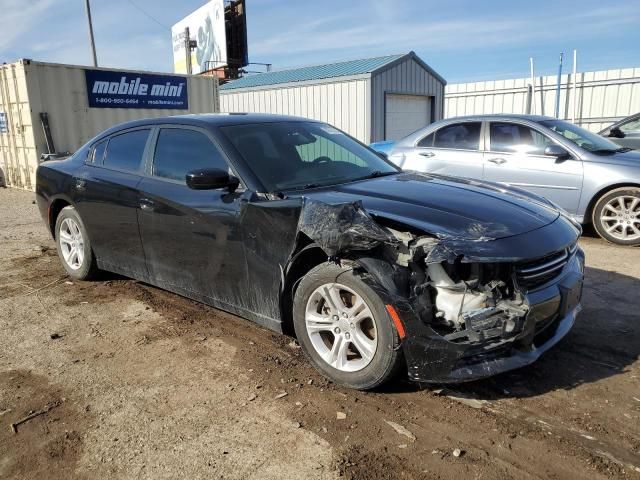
(465, 310)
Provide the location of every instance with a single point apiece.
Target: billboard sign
(109, 89)
(4, 125)
(207, 28)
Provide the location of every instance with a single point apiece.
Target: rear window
(124, 151)
(97, 154)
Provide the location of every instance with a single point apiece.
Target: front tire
(344, 328)
(74, 246)
(616, 216)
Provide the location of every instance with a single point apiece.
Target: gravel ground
(121, 380)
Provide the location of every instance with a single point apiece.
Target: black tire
(387, 359)
(88, 268)
(599, 212)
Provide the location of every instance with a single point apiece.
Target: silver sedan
(590, 177)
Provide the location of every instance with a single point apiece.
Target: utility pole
(93, 43)
(557, 112)
(532, 103)
(575, 85)
(189, 45)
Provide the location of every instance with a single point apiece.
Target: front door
(515, 156)
(631, 132)
(452, 150)
(192, 238)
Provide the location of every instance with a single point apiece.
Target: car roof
(503, 116)
(206, 120)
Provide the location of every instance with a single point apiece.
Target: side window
(465, 136)
(124, 151)
(513, 138)
(97, 153)
(181, 150)
(427, 141)
(631, 126)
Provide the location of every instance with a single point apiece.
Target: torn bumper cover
(471, 305)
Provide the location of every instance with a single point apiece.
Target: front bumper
(552, 313)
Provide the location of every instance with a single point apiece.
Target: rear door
(515, 156)
(192, 238)
(454, 149)
(107, 198)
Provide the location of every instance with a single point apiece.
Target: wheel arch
(588, 214)
(307, 255)
(55, 207)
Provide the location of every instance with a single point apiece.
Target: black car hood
(448, 207)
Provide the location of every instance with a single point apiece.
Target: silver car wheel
(71, 243)
(620, 217)
(341, 327)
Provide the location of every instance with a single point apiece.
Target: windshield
(298, 155)
(583, 138)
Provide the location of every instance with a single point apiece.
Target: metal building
(373, 99)
(47, 108)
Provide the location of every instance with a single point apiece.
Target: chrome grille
(533, 274)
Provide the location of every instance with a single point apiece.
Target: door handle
(497, 161)
(427, 154)
(146, 204)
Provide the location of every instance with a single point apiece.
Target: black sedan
(295, 225)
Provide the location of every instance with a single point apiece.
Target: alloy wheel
(341, 327)
(620, 217)
(71, 243)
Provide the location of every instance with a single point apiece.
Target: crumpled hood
(447, 207)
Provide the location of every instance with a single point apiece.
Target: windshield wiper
(379, 173)
(605, 151)
(624, 149)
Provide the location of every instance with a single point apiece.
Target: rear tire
(344, 328)
(616, 216)
(74, 246)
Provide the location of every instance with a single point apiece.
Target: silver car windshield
(583, 138)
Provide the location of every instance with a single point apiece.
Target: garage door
(406, 114)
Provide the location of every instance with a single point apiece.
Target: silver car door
(515, 156)
(454, 149)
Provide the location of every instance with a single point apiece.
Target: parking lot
(114, 379)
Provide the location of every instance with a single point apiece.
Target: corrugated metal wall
(17, 146)
(603, 97)
(408, 77)
(344, 104)
(28, 88)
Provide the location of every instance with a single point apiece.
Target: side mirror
(211, 179)
(556, 151)
(615, 132)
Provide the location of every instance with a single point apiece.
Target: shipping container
(48, 108)
(372, 99)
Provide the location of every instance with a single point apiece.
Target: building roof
(319, 72)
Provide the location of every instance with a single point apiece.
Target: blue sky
(463, 40)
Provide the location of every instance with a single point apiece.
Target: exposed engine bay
(470, 302)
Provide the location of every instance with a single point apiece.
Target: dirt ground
(118, 379)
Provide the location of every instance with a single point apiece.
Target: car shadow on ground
(604, 342)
